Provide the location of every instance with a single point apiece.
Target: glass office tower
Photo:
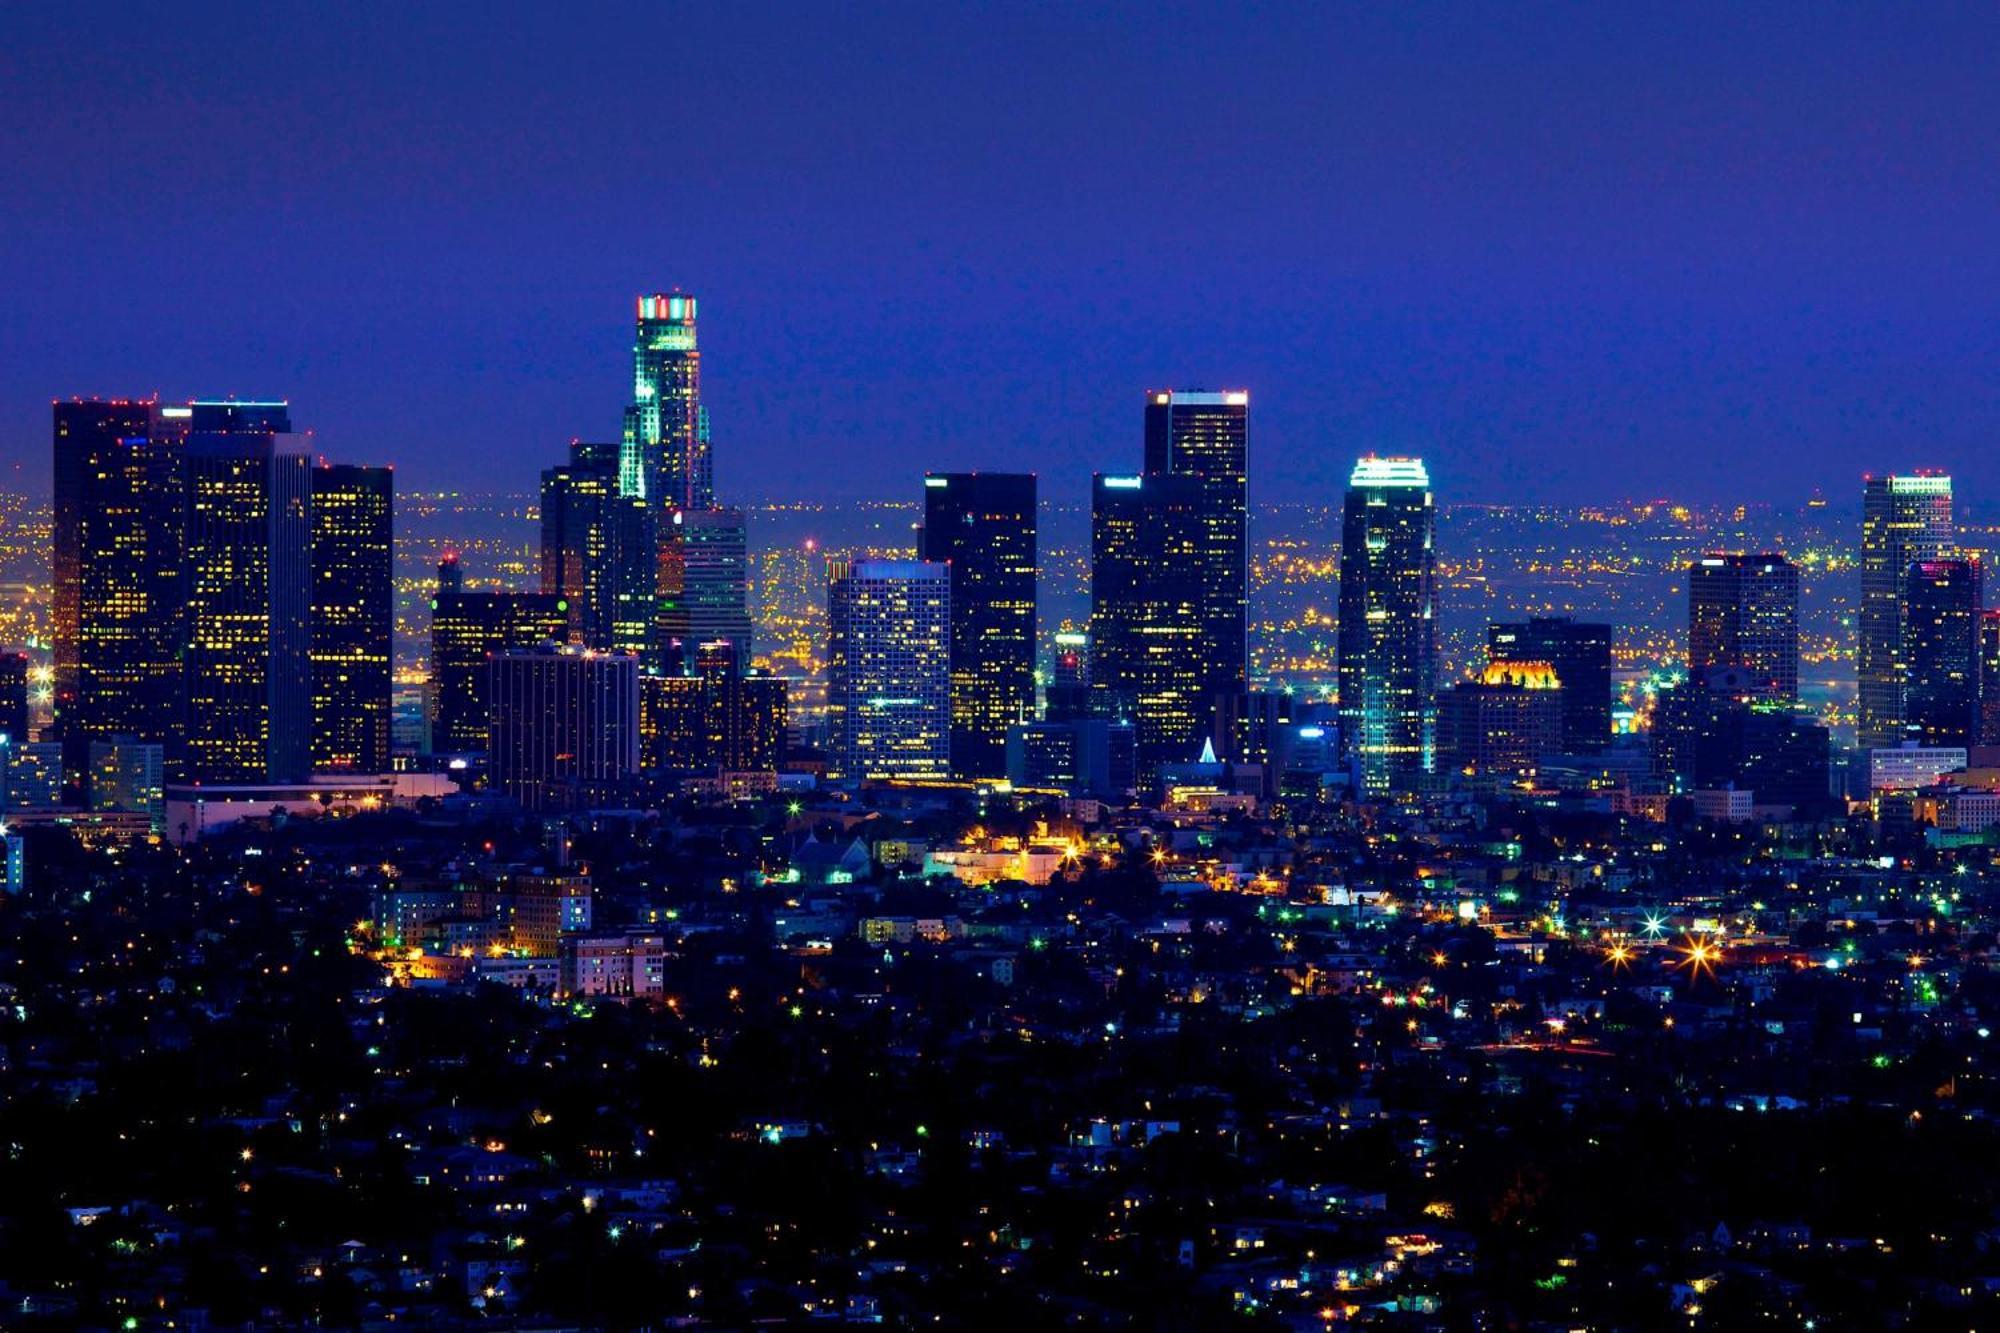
(982, 524)
(1388, 622)
(665, 452)
(1940, 652)
(353, 616)
(1743, 612)
(118, 613)
(248, 550)
(889, 668)
(1207, 436)
(1149, 536)
(599, 551)
(1904, 520)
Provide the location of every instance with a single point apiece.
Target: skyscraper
(1207, 436)
(14, 695)
(982, 524)
(665, 455)
(1940, 652)
(563, 726)
(1501, 725)
(1904, 520)
(1743, 611)
(1147, 536)
(119, 625)
(353, 616)
(889, 668)
(1388, 621)
(1989, 678)
(468, 628)
(599, 551)
(248, 668)
(1580, 652)
(707, 593)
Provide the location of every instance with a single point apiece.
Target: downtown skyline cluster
(224, 611)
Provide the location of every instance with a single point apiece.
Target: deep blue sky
(1565, 252)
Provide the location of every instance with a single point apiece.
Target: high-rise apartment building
(889, 668)
(1147, 590)
(1743, 612)
(468, 628)
(1580, 652)
(1388, 622)
(563, 726)
(247, 670)
(1940, 652)
(600, 551)
(1905, 520)
(353, 616)
(982, 525)
(1207, 436)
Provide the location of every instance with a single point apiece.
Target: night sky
(1565, 253)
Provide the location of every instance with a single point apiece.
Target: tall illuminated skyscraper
(248, 666)
(599, 551)
(1940, 652)
(1148, 537)
(1207, 436)
(982, 524)
(665, 453)
(889, 668)
(119, 623)
(1743, 611)
(353, 616)
(1388, 621)
(1904, 520)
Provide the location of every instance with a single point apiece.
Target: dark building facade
(563, 727)
(1388, 622)
(14, 697)
(468, 628)
(1501, 725)
(1989, 677)
(248, 550)
(1904, 520)
(717, 721)
(599, 551)
(1148, 535)
(982, 524)
(704, 585)
(1580, 652)
(1743, 611)
(1719, 732)
(1083, 756)
(1940, 652)
(1207, 436)
(353, 616)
